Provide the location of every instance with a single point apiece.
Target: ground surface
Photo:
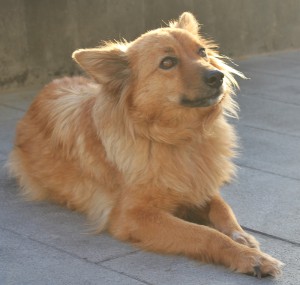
(46, 244)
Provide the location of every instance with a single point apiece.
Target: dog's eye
(168, 62)
(202, 52)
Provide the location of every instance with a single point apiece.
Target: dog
(143, 146)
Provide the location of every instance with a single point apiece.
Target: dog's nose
(214, 78)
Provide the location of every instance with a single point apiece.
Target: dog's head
(170, 71)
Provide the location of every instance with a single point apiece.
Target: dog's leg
(219, 215)
(154, 229)
(223, 219)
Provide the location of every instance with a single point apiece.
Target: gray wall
(37, 37)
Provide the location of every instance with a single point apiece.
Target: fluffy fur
(123, 149)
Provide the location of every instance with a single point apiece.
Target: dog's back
(57, 154)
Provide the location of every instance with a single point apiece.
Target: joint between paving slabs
(117, 256)
(271, 236)
(268, 172)
(125, 274)
(270, 131)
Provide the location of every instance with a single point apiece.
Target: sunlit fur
(122, 149)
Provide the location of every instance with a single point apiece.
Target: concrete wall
(37, 37)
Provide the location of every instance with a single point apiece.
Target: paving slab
(25, 261)
(18, 99)
(266, 202)
(270, 87)
(269, 151)
(7, 114)
(280, 64)
(269, 115)
(292, 55)
(7, 135)
(3, 157)
(8, 121)
(170, 270)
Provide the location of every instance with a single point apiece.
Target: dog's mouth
(203, 101)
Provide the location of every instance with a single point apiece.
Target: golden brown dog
(143, 148)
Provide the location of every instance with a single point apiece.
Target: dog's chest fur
(193, 172)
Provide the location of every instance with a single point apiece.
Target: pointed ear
(188, 22)
(108, 65)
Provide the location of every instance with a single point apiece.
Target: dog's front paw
(245, 239)
(258, 264)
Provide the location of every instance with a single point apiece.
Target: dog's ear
(188, 22)
(108, 65)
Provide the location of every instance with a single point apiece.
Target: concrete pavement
(42, 243)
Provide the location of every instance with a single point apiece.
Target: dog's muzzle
(214, 80)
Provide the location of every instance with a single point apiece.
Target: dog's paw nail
(257, 272)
